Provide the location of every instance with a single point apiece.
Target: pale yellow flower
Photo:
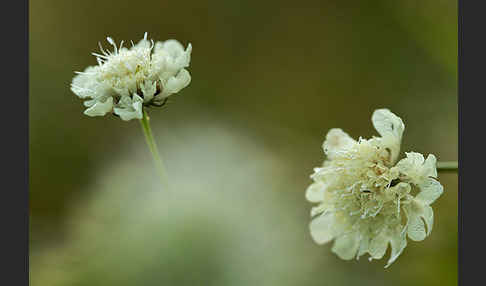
(127, 79)
(366, 200)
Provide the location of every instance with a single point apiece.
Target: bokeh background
(269, 79)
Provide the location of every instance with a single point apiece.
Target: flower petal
(430, 166)
(346, 246)
(315, 192)
(364, 246)
(391, 128)
(173, 47)
(411, 166)
(337, 140)
(321, 228)
(148, 90)
(430, 190)
(84, 84)
(173, 54)
(89, 103)
(176, 83)
(318, 209)
(143, 43)
(130, 108)
(398, 243)
(416, 168)
(100, 108)
(387, 123)
(428, 216)
(416, 228)
(378, 245)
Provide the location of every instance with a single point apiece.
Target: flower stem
(149, 138)
(447, 166)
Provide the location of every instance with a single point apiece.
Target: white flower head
(127, 79)
(366, 200)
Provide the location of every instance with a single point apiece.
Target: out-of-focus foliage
(270, 78)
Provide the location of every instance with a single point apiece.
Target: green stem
(149, 138)
(447, 166)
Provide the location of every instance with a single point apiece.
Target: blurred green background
(269, 79)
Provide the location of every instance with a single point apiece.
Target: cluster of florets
(365, 199)
(127, 79)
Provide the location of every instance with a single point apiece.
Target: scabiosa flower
(366, 200)
(127, 79)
